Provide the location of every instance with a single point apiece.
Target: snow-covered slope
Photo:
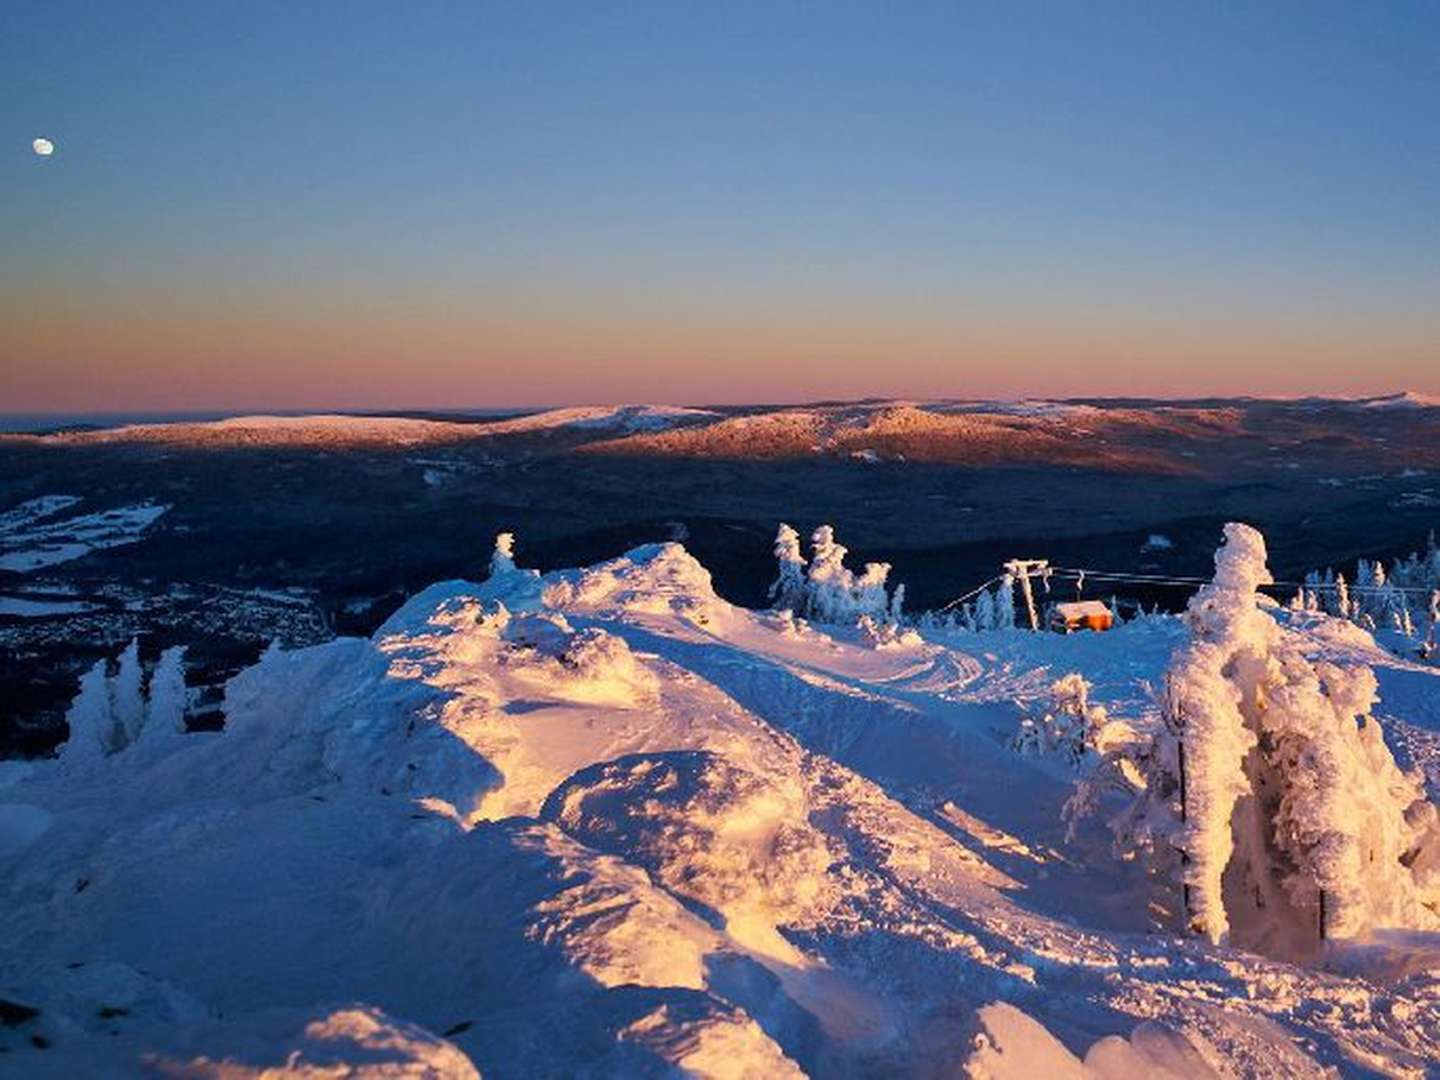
(604, 823)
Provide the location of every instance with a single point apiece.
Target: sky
(417, 205)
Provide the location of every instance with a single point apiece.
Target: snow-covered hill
(604, 823)
(965, 433)
(348, 430)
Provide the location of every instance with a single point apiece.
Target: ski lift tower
(1022, 570)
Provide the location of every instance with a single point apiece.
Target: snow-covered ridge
(625, 418)
(1408, 399)
(343, 429)
(971, 433)
(601, 821)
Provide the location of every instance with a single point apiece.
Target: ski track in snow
(622, 827)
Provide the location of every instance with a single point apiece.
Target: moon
(43, 147)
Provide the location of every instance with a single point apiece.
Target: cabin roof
(1081, 609)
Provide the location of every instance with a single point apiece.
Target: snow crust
(601, 822)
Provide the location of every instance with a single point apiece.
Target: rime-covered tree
(1340, 606)
(1005, 603)
(787, 591)
(502, 559)
(126, 696)
(1272, 777)
(833, 593)
(985, 611)
(91, 719)
(165, 709)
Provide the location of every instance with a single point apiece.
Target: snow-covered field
(604, 823)
(35, 535)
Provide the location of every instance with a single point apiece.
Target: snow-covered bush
(1108, 755)
(1073, 729)
(887, 635)
(1274, 781)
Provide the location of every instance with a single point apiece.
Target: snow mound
(1010, 1045)
(721, 836)
(353, 1041)
(659, 579)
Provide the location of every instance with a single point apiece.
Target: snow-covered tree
(165, 710)
(985, 611)
(113, 712)
(828, 583)
(833, 593)
(1274, 780)
(1340, 606)
(1005, 603)
(91, 719)
(897, 604)
(126, 697)
(502, 559)
(787, 591)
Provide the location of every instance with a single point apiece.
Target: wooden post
(1184, 817)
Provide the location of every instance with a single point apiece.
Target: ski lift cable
(1169, 579)
(973, 592)
(1083, 574)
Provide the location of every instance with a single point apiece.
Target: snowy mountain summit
(602, 822)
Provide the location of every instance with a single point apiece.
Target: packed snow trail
(603, 822)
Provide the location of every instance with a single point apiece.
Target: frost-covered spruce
(787, 591)
(91, 719)
(1294, 819)
(165, 709)
(1005, 603)
(126, 697)
(985, 611)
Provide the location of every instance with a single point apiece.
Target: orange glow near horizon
(159, 352)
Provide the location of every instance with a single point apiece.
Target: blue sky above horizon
(381, 205)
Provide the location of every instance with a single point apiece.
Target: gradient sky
(299, 205)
